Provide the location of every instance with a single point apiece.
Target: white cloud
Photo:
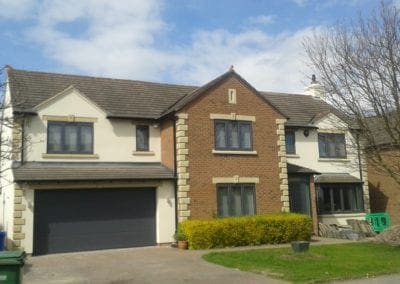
(15, 9)
(261, 20)
(300, 3)
(129, 39)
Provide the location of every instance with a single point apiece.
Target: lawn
(319, 264)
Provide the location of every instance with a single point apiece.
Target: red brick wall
(384, 192)
(167, 143)
(203, 164)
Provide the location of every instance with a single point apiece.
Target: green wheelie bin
(11, 263)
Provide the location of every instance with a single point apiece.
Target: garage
(71, 220)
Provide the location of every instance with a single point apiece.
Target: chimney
(315, 89)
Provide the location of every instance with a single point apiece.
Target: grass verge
(319, 264)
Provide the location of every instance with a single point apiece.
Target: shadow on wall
(378, 199)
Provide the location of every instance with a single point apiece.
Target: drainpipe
(175, 175)
(22, 139)
(359, 155)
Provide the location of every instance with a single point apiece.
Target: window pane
(233, 135)
(54, 138)
(245, 135)
(327, 200)
(331, 146)
(249, 207)
(71, 138)
(337, 203)
(142, 138)
(235, 201)
(220, 135)
(340, 145)
(290, 142)
(223, 201)
(86, 138)
(322, 145)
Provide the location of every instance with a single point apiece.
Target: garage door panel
(75, 220)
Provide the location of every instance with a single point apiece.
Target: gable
(69, 102)
(330, 121)
(228, 81)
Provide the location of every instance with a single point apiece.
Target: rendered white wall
(165, 212)
(6, 176)
(307, 152)
(114, 140)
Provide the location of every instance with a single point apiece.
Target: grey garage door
(92, 219)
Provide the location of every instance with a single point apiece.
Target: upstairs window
(331, 145)
(290, 142)
(69, 138)
(233, 135)
(142, 138)
(236, 199)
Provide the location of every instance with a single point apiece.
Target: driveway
(136, 265)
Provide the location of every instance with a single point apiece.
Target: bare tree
(11, 131)
(358, 63)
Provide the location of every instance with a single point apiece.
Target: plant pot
(300, 246)
(182, 244)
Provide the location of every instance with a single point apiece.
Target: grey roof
(295, 169)
(302, 110)
(118, 98)
(138, 99)
(336, 178)
(74, 171)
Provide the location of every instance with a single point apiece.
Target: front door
(299, 194)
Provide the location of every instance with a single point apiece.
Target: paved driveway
(137, 265)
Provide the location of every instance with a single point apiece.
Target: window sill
(296, 156)
(143, 153)
(70, 156)
(340, 160)
(234, 152)
(342, 215)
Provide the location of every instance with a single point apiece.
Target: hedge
(248, 230)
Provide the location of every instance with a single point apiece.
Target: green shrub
(248, 230)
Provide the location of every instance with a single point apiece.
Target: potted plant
(300, 246)
(181, 239)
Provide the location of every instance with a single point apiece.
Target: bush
(248, 230)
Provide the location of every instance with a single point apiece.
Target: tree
(10, 132)
(358, 63)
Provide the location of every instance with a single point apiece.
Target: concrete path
(137, 265)
(151, 265)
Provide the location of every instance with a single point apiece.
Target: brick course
(384, 191)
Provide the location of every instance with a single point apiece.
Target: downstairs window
(236, 199)
(340, 198)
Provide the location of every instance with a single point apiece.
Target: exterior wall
(165, 208)
(200, 164)
(307, 155)
(6, 178)
(114, 139)
(340, 219)
(167, 144)
(384, 191)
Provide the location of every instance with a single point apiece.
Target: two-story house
(105, 163)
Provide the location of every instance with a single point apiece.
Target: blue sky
(175, 41)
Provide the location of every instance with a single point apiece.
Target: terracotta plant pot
(182, 244)
(300, 246)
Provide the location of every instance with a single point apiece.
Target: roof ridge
(99, 77)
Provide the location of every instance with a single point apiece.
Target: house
(105, 163)
(384, 190)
